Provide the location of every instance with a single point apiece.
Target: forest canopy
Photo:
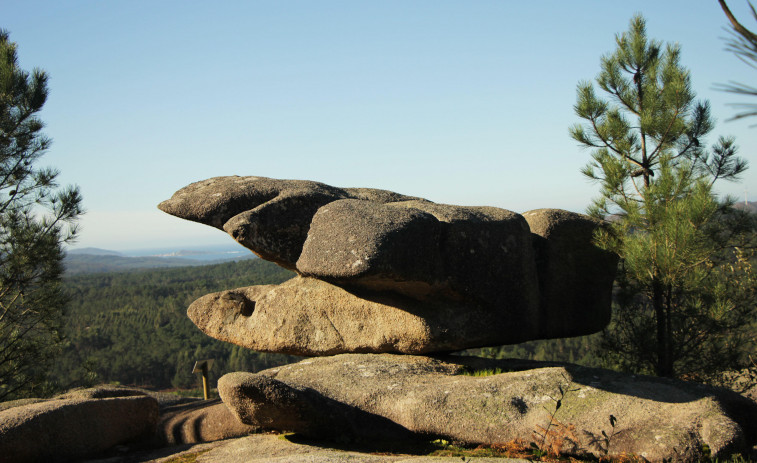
(132, 327)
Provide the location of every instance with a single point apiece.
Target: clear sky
(460, 102)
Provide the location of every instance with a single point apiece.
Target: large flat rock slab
(277, 448)
(271, 217)
(273, 448)
(310, 317)
(75, 425)
(653, 418)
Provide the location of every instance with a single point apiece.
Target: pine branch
(740, 29)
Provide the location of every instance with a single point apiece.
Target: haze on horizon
(458, 102)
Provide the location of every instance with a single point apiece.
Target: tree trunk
(669, 329)
(663, 365)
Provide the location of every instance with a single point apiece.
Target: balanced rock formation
(383, 272)
(357, 396)
(379, 273)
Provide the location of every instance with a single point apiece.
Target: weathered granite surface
(574, 274)
(654, 418)
(269, 216)
(384, 272)
(305, 316)
(268, 448)
(272, 448)
(200, 421)
(75, 425)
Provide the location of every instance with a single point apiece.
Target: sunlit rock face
(268, 216)
(383, 272)
(360, 396)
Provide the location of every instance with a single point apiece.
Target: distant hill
(94, 260)
(185, 252)
(750, 206)
(98, 263)
(93, 252)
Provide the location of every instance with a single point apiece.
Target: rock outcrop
(75, 425)
(653, 418)
(201, 421)
(261, 400)
(267, 448)
(383, 272)
(306, 316)
(573, 273)
(268, 216)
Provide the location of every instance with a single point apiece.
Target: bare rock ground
(275, 448)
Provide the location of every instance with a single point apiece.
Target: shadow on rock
(263, 401)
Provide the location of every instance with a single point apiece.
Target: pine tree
(674, 314)
(36, 218)
(743, 44)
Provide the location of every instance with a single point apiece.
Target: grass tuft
(485, 372)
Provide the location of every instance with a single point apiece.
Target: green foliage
(483, 373)
(132, 327)
(681, 305)
(556, 436)
(581, 350)
(36, 218)
(445, 448)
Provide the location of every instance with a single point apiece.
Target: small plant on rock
(605, 440)
(551, 440)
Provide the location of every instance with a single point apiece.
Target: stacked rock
(383, 272)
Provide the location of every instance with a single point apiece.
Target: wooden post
(205, 390)
(202, 366)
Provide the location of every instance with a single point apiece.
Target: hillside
(93, 260)
(749, 206)
(100, 263)
(93, 251)
(132, 327)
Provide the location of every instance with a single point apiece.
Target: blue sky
(460, 102)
